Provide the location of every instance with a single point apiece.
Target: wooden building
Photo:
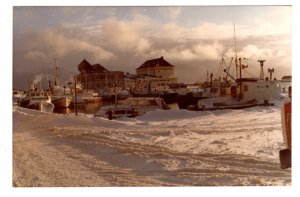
(159, 70)
(98, 78)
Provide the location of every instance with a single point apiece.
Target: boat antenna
(236, 62)
(270, 71)
(222, 65)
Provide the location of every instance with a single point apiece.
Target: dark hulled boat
(187, 99)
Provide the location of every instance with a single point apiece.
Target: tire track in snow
(235, 166)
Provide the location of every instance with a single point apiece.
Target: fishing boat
(60, 95)
(184, 100)
(246, 92)
(115, 93)
(61, 101)
(243, 92)
(164, 92)
(123, 94)
(86, 96)
(188, 96)
(40, 102)
(17, 97)
(36, 98)
(132, 107)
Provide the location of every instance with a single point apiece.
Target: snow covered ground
(161, 148)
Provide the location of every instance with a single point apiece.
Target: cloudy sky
(192, 38)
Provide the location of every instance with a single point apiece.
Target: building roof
(286, 78)
(158, 62)
(98, 68)
(85, 65)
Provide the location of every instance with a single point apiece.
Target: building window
(245, 88)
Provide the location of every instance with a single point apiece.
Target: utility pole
(262, 77)
(116, 95)
(75, 94)
(240, 62)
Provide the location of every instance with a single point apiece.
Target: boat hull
(169, 97)
(222, 107)
(186, 100)
(62, 102)
(82, 99)
(92, 100)
(41, 106)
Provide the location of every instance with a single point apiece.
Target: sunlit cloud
(125, 35)
(138, 36)
(61, 45)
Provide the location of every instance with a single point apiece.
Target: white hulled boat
(244, 92)
(41, 103)
(247, 92)
(38, 101)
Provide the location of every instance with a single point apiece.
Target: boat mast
(240, 64)
(236, 60)
(56, 73)
(236, 63)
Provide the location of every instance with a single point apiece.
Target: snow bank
(166, 115)
(172, 147)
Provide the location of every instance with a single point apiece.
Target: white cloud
(198, 51)
(209, 51)
(61, 45)
(171, 31)
(252, 51)
(126, 35)
(171, 13)
(212, 31)
(34, 54)
(142, 45)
